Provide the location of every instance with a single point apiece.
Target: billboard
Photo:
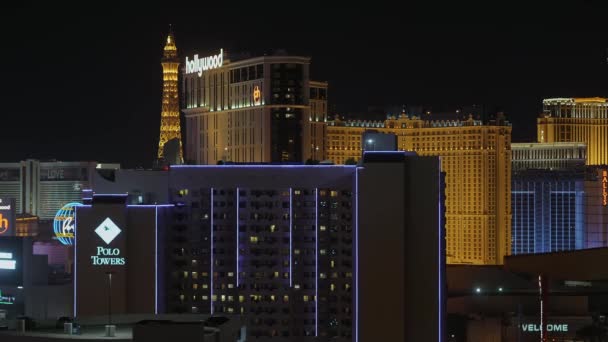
(63, 173)
(11, 261)
(7, 216)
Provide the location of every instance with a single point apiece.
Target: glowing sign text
(257, 95)
(550, 327)
(605, 187)
(107, 256)
(63, 224)
(6, 262)
(198, 65)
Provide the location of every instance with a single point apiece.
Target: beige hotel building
(577, 120)
(476, 160)
(260, 109)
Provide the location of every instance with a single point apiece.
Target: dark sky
(87, 86)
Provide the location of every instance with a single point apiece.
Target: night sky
(88, 86)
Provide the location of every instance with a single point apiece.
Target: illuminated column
(169, 116)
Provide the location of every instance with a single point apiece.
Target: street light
(371, 142)
(110, 329)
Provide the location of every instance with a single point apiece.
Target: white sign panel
(198, 65)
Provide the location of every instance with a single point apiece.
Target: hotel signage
(63, 223)
(7, 216)
(550, 327)
(198, 65)
(605, 187)
(107, 231)
(257, 95)
(63, 174)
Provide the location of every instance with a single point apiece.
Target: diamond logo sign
(107, 230)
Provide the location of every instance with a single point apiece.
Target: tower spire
(170, 127)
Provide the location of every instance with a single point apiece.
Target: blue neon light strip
(316, 262)
(149, 205)
(211, 252)
(237, 237)
(290, 237)
(439, 252)
(156, 261)
(357, 255)
(260, 166)
(75, 258)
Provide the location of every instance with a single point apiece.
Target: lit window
(296, 251)
(296, 286)
(223, 298)
(195, 286)
(305, 298)
(285, 299)
(276, 274)
(241, 299)
(332, 287)
(253, 239)
(214, 298)
(205, 286)
(332, 264)
(322, 228)
(205, 298)
(322, 251)
(231, 274)
(194, 275)
(273, 228)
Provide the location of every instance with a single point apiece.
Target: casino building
(260, 109)
(41, 188)
(475, 156)
(577, 120)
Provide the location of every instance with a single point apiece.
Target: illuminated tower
(169, 116)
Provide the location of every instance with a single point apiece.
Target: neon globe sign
(64, 223)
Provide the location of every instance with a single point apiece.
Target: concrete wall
(401, 250)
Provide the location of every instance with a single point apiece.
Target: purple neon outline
(75, 259)
(290, 236)
(211, 253)
(149, 205)
(357, 254)
(156, 261)
(439, 254)
(316, 262)
(260, 166)
(237, 237)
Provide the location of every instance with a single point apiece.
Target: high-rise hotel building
(261, 109)
(547, 197)
(297, 250)
(577, 120)
(477, 162)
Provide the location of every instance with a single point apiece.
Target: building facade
(596, 207)
(41, 188)
(582, 120)
(252, 110)
(477, 161)
(547, 197)
(280, 245)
